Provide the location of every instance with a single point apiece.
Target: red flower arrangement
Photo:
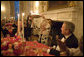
(12, 43)
(15, 46)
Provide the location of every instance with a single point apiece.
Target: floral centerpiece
(11, 46)
(15, 46)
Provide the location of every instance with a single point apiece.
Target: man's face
(63, 29)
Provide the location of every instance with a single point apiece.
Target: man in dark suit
(67, 40)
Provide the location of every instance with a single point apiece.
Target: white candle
(18, 25)
(23, 25)
(5, 19)
(14, 18)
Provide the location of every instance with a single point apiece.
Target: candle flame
(22, 14)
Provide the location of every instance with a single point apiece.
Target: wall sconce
(36, 8)
(2, 8)
(37, 4)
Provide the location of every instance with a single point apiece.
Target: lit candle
(14, 18)
(5, 19)
(18, 25)
(23, 26)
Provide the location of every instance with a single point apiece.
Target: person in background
(14, 24)
(25, 29)
(28, 29)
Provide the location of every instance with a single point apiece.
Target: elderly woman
(44, 36)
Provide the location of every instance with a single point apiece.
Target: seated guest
(67, 35)
(44, 36)
(67, 39)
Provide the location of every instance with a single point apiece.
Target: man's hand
(61, 44)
